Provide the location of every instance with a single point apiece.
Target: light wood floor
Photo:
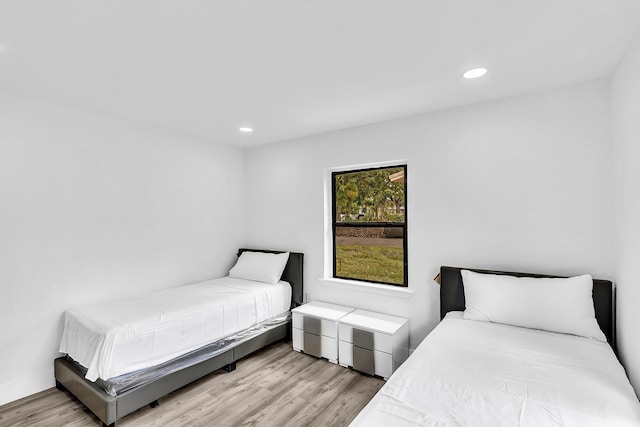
(273, 387)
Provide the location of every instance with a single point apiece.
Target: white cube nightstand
(373, 343)
(315, 328)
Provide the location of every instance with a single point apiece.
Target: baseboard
(26, 386)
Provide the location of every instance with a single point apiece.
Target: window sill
(370, 288)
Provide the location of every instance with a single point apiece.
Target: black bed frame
(109, 408)
(452, 296)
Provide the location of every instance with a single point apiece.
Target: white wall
(94, 208)
(519, 184)
(625, 99)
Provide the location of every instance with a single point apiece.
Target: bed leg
(230, 367)
(60, 387)
(154, 404)
(108, 425)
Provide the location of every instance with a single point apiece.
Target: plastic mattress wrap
(120, 384)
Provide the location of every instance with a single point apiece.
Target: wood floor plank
(275, 386)
(326, 393)
(278, 413)
(344, 408)
(24, 413)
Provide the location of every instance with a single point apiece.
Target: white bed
(513, 349)
(472, 373)
(114, 338)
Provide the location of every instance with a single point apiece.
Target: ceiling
(291, 68)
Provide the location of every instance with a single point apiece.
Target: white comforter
(122, 336)
(470, 373)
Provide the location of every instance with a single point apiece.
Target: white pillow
(557, 305)
(260, 267)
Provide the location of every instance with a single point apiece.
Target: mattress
(129, 381)
(117, 337)
(472, 373)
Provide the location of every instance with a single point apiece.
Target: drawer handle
(312, 344)
(311, 324)
(363, 360)
(363, 338)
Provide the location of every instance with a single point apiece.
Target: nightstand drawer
(366, 339)
(363, 339)
(311, 344)
(315, 345)
(315, 325)
(363, 360)
(372, 362)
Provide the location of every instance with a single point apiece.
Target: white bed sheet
(117, 337)
(471, 373)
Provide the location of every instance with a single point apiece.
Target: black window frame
(403, 225)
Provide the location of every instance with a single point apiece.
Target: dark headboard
(292, 273)
(452, 296)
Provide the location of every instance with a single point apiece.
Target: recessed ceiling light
(245, 129)
(475, 73)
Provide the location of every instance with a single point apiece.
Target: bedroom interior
(124, 172)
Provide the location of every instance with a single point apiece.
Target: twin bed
(474, 371)
(512, 349)
(125, 354)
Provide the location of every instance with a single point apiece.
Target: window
(370, 225)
